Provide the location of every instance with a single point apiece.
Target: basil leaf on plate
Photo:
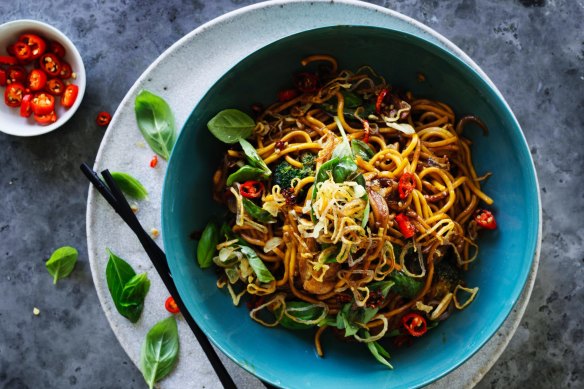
(128, 291)
(133, 295)
(62, 262)
(156, 122)
(231, 125)
(246, 173)
(129, 185)
(257, 212)
(258, 266)
(159, 353)
(206, 247)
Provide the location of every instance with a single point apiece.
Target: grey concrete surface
(532, 49)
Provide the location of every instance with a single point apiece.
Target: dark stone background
(532, 49)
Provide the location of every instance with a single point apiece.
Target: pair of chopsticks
(113, 195)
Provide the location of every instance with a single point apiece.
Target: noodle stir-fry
(356, 208)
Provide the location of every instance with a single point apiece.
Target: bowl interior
(10, 120)
(288, 358)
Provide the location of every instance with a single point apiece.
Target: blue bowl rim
(485, 84)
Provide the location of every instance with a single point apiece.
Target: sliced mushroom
(379, 208)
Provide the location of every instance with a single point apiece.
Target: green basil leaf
(366, 314)
(129, 185)
(362, 149)
(159, 352)
(253, 157)
(351, 318)
(361, 181)
(382, 286)
(352, 100)
(62, 262)
(346, 320)
(133, 295)
(225, 232)
(156, 122)
(257, 212)
(345, 170)
(322, 174)
(127, 290)
(378, 352)
(207, 245)
(231, 125)
(310, 312)
(366, 213)
(246, 173)
(257, 265)
(404, 285)
(328, 321)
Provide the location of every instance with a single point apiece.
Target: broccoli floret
(448, 276)
(284, 173)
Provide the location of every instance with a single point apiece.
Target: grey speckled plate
(172, 77)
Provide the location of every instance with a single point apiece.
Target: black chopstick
(110, 191)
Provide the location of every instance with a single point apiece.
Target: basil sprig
(302, 311)
(257, 212)
(231, 125)
(128, 289)
(156, 122)
(62, 262)
(258, 266)
(378, 351)
(246, 173)
(257, 168)
(353, 319)
(159, 353)
(130, 185)
(252, 156)
(206, 247)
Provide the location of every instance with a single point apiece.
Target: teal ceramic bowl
(286, 358)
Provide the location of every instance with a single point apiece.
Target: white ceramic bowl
(10, 120)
